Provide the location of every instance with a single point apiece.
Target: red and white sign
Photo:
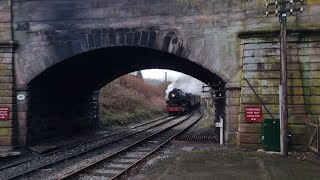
(253, 113)
(4, 113)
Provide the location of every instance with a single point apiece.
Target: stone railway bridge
(60, 53)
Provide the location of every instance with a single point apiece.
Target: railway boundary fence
(313, 134)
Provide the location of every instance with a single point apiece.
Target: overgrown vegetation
(128, 99)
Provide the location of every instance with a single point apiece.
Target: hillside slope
(129, 99)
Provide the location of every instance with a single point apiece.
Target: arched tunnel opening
(65, 97)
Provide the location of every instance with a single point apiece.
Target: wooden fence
(313, 126)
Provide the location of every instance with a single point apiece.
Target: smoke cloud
(187, 84)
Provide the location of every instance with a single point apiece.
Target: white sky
(179, 80)
(160, 74)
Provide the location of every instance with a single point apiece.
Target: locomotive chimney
(165, 77)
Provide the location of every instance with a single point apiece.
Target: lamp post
(282, 8)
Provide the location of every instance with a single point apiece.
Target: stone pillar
(232, 111)
(6, 75)
(21, 114)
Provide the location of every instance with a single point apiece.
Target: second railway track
(26, 166)
(70, 166)
(113, 166)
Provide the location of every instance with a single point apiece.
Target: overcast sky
(160, 73)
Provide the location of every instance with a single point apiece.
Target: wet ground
(185, 160)
(205, 159)
(208, 160)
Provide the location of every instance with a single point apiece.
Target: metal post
(221, 130)
(220, 125)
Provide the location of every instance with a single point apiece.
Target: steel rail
(19, 174)
(80, 144)
(157, 148)
(80, 170)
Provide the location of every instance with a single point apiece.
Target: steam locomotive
(179, 102)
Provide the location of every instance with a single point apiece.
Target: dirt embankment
(129, 99)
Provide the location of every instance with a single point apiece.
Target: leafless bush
(129, 94)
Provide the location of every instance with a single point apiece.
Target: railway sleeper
(135, 155)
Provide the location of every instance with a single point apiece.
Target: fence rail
(313, 126)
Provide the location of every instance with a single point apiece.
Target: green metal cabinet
(271, 134)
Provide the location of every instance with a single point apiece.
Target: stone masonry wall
(261, 67)
(6, 75)
(232, 111)
(48, 33)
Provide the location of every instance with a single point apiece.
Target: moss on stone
(5, 132)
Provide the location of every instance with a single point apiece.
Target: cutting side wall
(261, 67)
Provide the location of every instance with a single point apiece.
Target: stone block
(255, 60)
(262, 75)
(22, 116)
(231, 128)
(232, 119)
(294, 82)
(230, 138)
(5, 132)
(266, 99)
(6, 100)
(22, 107)
(298, 139)
(252, 138)
(5, 66)
(233, 93)
(22, 140)
(311, 82)
(259, 91)
(6, 86)
(6, 93)
(250, 146)
(233, 101)
(6, 72)
(22, 130)
(297, 119)
(6, 55)
(312, 100)
(297, 129)
(6, 79)
(5, 141)
(297, 109)
(250, 128)
(232, 110)
(313, 109)
(295, 91)
(255, 83)
(6, 124)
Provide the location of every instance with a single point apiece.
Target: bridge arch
(65, 96)
(57, 46)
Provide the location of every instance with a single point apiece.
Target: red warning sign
(253, 113)
(4, 113)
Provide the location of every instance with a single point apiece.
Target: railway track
(39, 162)
(69, 165)
(82, 143)
(116, 164)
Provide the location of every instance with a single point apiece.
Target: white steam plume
(187, 84)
